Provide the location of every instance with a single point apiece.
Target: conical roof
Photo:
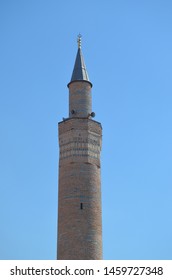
(79, 70)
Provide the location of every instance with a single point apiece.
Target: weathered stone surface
(79, 230)
(80, 99)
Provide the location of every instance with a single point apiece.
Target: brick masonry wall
(79, 205)
(80, 99)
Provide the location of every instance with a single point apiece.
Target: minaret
(79, 194)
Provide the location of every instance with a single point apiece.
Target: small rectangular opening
(81, 205)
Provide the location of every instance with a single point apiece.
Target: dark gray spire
(79, 70)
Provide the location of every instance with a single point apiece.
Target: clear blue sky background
(127, 46)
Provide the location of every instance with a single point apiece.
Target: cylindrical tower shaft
(79, 220)
(80, 101)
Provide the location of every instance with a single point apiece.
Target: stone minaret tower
(79, 197)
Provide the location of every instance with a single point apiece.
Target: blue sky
(127, 49)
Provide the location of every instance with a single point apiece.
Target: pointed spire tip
(79, 40)
(79, 71)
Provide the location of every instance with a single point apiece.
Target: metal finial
(79, 41)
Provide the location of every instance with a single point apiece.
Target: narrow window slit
(81, 205)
